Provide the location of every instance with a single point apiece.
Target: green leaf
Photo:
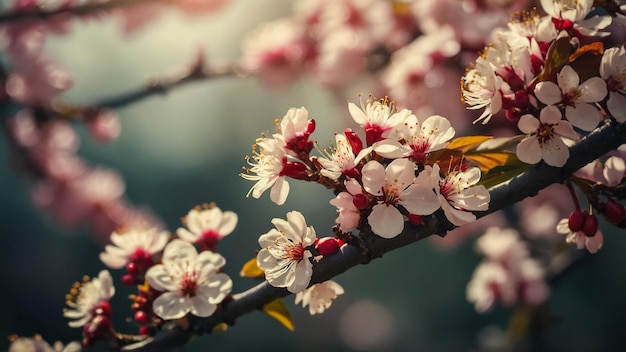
(504, 173)
(486, 161)
(277, 310)
(557, 56)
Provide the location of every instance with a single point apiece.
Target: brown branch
(604, 139)
(44, 13)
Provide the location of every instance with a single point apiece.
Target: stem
(572, 192)
(604, 139)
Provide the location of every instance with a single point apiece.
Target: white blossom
(284, 257)
(320, 296)
(89, 297)
(133, 245)
(191, 281)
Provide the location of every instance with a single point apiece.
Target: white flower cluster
(507, 274)
(532, 74)
(386, 182)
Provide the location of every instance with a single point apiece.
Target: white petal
(216, 288)
(186, 235)
(594, 243)
(548, 93)
(170, 305)
(555, 152)
(160, 279)
(373, 177)
(388, 148)
(303, 273)
(455, 216)
(280, 191)
(617, 106)
(401, 172)
(613, 171)
(357, 114)
(201, 307)
(568, 79)
(179, 251)
(265, 260)
(228, 223)
(420, 200)
(529, 150)
(583, 116)
(550, 115)
(566, 130)
(386, 221)
(592, 90)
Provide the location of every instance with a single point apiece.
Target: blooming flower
(89, 299)
(593, 243)
(207, 225)
(420, 139)
(481, 89)
(377, 117)
(320, 296)
(191, 281)
(270, 158)
(275, 52)
(613, 71)
(136, 246)
(295, 129)
(346, 203)
(544, 140)
(572, 15)
(342, 160)
(576, 97)
(396, 186)
(284, 257)
(458, 194)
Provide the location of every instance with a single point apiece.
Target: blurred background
(187, 148)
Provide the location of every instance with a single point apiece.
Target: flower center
(295, 252)
(189, 283)
(209, 240)
(545, 132)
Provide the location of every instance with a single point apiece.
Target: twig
(606, 138)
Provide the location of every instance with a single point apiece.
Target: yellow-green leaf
(488, 160)
(466, 143)
(277, 310)
(251, 269)
(503, 173)
(557, 56)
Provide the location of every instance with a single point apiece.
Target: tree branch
(604, 139)
(44, 13)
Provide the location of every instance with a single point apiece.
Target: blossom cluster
(173, 278)
(508, 274)
(392, 176)
(552, 76)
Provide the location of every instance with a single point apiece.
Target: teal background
(187, 148)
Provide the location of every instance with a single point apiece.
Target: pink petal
(593, 90)
(583, 116)
(617, 106)
(528, 124)
(555, 152)
(548, 93)
(568, 79)
(373, 177)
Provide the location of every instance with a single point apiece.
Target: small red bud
(415, 219)
(360, 201)
(132, 268)
(614, 212)
(145, 330)
(576, 220)
(141, 317)
(128, 280)
(591, 226)
(327, 245)
(104, 308)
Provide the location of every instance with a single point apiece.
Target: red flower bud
(327, 245)
(360, 201)
(141, 317)
(590, 227)
(614, 212)
(576, 220)
(415, 219)
(128, 280)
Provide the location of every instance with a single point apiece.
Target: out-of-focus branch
(197, 72)
(604, 139)
(44, 13)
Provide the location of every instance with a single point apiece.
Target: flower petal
(373, 177)
(529, 150)
(386, 221)
(548, 93)
(583, 116)
(170, 305)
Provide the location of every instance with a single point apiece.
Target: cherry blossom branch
(44, 13)
(604, 139)
(198, 71)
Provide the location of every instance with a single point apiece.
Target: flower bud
(415, 219)
(327, 245)
(360, 201)
(614, 212)
(141, 317)
(576, 220)
(590, 227)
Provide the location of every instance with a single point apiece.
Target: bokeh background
(187, 148)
